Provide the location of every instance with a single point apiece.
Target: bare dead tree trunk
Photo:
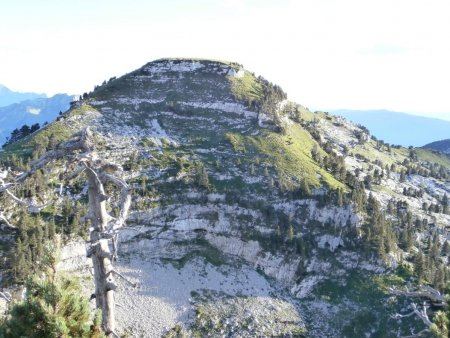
(104, 232)
(104, 228)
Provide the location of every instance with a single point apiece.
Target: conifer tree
(39, 241)
(52, 308)
(51, 229)
(20, 266)
(340, 199)
(446, 248)
(202, 176)
(441, 324)
(445, 204)
(419, 265)
(290, 232)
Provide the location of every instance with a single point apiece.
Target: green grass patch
(306, 114)
(289, 154)
(369, 151)
(81, 110)
(57, 131)
(433, 157)
(246, 88)
(237, 141)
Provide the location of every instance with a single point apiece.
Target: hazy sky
(327, 54)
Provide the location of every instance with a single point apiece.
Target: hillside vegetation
(247, 204)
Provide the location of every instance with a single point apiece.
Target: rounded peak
(190, 65)
(197, 60)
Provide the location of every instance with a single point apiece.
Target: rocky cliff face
(237, 226)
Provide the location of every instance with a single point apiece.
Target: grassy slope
(397, 156)
(431, 156)
(289, 154)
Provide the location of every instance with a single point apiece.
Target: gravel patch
(163, 295)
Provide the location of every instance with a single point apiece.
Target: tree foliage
(24, 131)
(53, 307)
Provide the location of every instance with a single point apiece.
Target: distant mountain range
(38, 110)
(7, 96)
(399, 128)
(442, 146)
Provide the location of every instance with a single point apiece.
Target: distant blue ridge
(8, 97)
(29, 112)
(399, 128)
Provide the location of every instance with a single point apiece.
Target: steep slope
(441, 146)
(29, 112)
(8, 97)
(385, 125)
(256, 210)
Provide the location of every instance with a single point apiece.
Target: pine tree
(202, 177)
(445, 204)
(439, 277)
(441, 325)
(144, 185)
(52, 308)
(45, 230)
(39, 242)
(435, 248)
(419, 265)
(446, 248)
(51, 229)
(381, 249)
(20, 266)
(33, 246)
(340, 199)
(74, 226)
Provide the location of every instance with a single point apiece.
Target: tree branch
(31, 207)
(124, 200)
(424, 291)
(6, 221)
(6, 296)
(124, 278)
(421, 313)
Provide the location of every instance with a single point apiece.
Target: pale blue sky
(357, 54)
